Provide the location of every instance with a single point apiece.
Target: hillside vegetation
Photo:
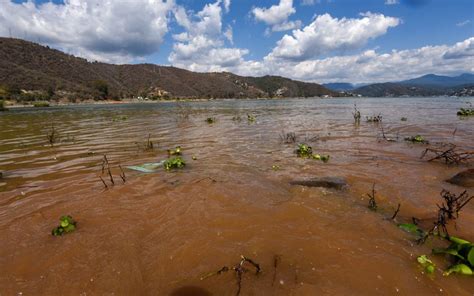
(29, 71)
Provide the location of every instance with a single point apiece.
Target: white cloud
(202, 47)
(115, 31)
(310, 2)
(460, 50)
(392, 2)
(327, 34)
(371, 66)
(277, 16)
(463, 23)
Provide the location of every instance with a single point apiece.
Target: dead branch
(396, 212)
(452, 155)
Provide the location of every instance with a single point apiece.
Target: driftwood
(451, 155)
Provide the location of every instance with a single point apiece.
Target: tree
(102, 87)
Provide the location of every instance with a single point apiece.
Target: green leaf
(448, 251)
(470, 257)
(411, 228)
(459, 268)
(458, 241)
(426, 263)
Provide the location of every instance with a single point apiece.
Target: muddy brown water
(158, 233)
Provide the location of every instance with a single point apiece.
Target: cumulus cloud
(202, 46)
(462, 50)
(277, 16)
(392, 2)
(96, 29)
(370, 66)
(327, 34)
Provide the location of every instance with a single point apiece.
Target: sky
(358, 41)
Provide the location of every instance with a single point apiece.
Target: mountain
(31, 70)
(432, 80)
(339, 86)
(396, 90)
(427, 85)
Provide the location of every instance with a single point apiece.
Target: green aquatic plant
(211, 120)
(306, 151)
(461, 253)
(374, 119)
(251, 118)
(119, 118)
(465, 112)
(427, 264)
(416, 139)
(323, 158)
(40, 104)
(413, 229)
(175, 151)
(237, 118)
(66, 225)
(174, 163)
(275, 167)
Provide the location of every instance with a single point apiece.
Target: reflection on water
(158, 233)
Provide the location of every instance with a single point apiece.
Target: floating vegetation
(52, 136)
(275, 167)
(40, 104)
(450, 155)
(120, 118)
(288, 138)
(413, 229)
(176, 162)
(237, 118)
(194, 157)
(239, 270)
(403, 119)
(427, 264)
(211, 120)
(461, 252)
(372, 203)
(466, 112)
(251, 118)
(175, 151)
(374, 119)
(305, 151)
(67, 224)
(356, 115)
(416, 139)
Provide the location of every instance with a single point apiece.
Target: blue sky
(311, 40)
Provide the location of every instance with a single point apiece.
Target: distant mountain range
(31, 71)
(427, 85)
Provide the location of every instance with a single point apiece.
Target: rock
(326, 182)
(464, 178)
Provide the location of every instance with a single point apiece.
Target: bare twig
(396, 212)
(450, 155)
(372, 202)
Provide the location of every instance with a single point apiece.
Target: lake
(159, 233)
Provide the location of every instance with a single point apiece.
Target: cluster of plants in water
(174, 161)
(416, 139)
(66, 225)
(466, 112)
(305, 151)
